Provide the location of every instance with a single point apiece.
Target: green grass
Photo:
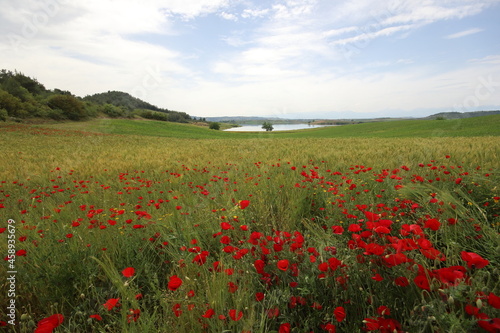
(88, 206)
(478, 126)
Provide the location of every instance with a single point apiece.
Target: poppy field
(114, 233)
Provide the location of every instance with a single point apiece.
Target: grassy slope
(478, 126)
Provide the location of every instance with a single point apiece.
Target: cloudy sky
(281, 58)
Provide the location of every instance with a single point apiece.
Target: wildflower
(177, 310)
(208, 314)
(111, 303)
(259, 296)
(128, 272)
(174, 283)
(432, 224)
(235, 315)
(283, 265)
(284, 328)
(232, 287)
(244, 204)
(133, 315)
(339, 313)
(474, 260)
(47, 325)
(494, 300)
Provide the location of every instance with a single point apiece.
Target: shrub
(72, 108)
(3, 114)
(112, 111)
(214, 126)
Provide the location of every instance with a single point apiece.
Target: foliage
(152, 115)
(24, 97)
(127, 102)
(214, 126)
(267, 126)
(112, 111)
(71, 107)
(3, 115)
(12, 104)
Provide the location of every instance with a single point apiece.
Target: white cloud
(286, 55)
(228, 16)
(254, 13)
(488, 60)
(464, 33)
(190, 9)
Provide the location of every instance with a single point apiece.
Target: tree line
(23, 97)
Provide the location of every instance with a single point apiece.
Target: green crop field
(116, 225)
(478, 126)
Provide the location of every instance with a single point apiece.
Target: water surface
(277, 127)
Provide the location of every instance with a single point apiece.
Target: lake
(277, 127)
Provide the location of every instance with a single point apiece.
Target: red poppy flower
(330, 328)
(47, 325)
(208, 314)
(128, 272)
(474, 260)
(259, 296)
(177, 310)
(244, 204)
(471, 310)
(337, 229)
(259, 266)
(334, 263)
(201, 258)
(372, 217)
(402, 281)
(111, 303)
(283, 264)
(96, 317)
(174, 283)
(384, 310)
(492, 325)
(432, 224)
(133, 315)
(232, 287)
(354, 228)
(284, 328)
(235, 315)
(422, 282)
(450, 276)
(339, 313)
(494, 300)
(273, 313)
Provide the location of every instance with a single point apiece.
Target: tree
(267, 126)
(3, 115)
(214, 126)
(71, 107)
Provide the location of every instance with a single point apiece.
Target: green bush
(214, 126)
(3, 115)
(112, 111)
(72, 108)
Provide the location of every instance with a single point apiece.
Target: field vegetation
(149, 226)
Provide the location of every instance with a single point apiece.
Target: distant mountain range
(238, 118)
(461, 115)
(441, 115)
